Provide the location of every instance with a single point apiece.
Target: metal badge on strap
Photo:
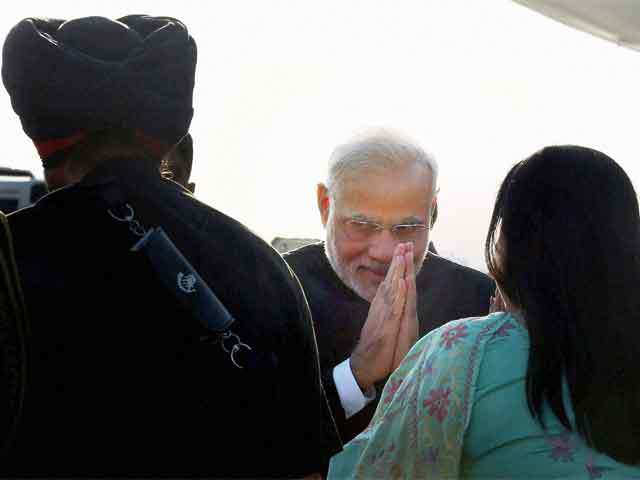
(186, 285)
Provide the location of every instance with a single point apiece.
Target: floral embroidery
(420, 432)
(438, 403)
(390, 389)
(415, 354)
(561, 448)
(594, 471)
(451, 336)
(503, 331)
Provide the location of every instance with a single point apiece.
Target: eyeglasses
(360, 230)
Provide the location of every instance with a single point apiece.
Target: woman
(551, 387)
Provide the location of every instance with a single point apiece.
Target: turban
(66, 78)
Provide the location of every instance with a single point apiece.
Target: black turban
(69, 77)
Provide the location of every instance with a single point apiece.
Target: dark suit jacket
(446, 291)
(123, 381)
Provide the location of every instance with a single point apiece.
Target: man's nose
(382, 247)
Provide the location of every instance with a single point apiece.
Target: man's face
(361, 255)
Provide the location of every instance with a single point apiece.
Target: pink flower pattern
(391, 389)
(438, 403)
(562, 449)
(413, 356)
(452, 335)
(503, 331)
(594, 471)
(431, 405)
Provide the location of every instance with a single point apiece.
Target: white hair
(377, 149)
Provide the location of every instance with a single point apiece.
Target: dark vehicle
(19, 189)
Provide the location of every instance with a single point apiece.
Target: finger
(409, 326)
(394, 293)
(410, 273)
(400, 266)
(391, 271)
(412, 295)
(380, 304)
(410, 277)
(409, 261)
(389, 284)
(392, 268)
(396, 270)
(391, 311)
(399, 301)
(394, 323)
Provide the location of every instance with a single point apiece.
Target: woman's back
(504, 440)
(457, 407)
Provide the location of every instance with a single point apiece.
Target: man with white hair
(381, 190)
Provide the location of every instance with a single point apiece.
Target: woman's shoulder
(459, 341)
(464, 330)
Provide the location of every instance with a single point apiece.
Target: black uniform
(446, 291)
(122, 380)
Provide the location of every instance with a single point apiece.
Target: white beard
(344, 273)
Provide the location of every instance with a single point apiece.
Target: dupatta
(419, 426)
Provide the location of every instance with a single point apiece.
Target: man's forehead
(381, 199)
(371, 177)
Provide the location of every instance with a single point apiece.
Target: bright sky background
(480, 83)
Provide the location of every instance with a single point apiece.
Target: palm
(391, 326)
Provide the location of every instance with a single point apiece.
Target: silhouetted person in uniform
(128, 373)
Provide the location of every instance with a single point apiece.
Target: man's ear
(434, 212)
(323, 203)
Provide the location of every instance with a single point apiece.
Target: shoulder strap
(172, 269)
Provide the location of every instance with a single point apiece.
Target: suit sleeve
(316, 417)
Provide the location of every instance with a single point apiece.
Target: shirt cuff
(351, 397)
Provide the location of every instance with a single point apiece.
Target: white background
(480, 83)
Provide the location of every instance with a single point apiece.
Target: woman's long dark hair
(569, 259)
